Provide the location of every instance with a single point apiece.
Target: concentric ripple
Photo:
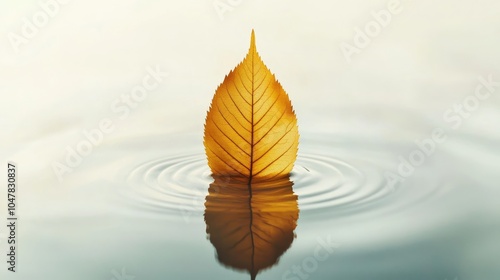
(177, 185)
(337, 186)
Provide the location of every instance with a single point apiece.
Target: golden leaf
(250, 225)
(251, 127)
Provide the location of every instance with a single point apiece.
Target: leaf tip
(252, 40)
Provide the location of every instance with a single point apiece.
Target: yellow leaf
(250, 225)
(251, 128)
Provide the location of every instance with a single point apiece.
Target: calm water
(150, 213)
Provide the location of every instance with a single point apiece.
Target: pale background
(65, 78)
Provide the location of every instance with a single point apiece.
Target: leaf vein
(229, 138)
(215, 154)
(228, 153)
(276, 143)
(271, 163)
(227, 121)
(237, 107)
(268, 109)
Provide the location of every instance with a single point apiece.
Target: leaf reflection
(250, 225)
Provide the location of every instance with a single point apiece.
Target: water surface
(157, 213)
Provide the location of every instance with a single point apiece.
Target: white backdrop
(377, 71)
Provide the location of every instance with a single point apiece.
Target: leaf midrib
(251, 159)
